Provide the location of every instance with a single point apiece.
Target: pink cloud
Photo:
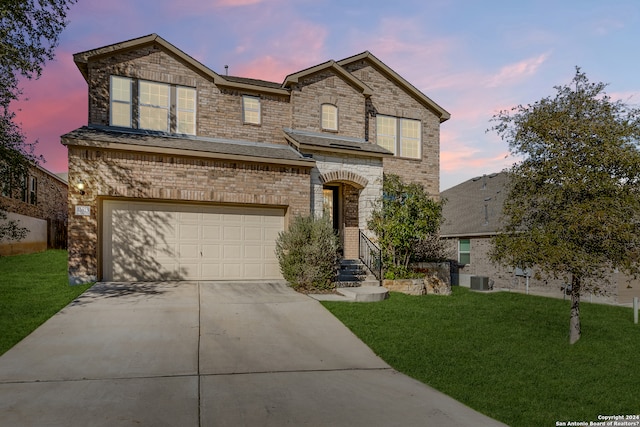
(52, 106)
(300, 45)
(516, 72)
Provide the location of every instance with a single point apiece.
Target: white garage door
(163, 241)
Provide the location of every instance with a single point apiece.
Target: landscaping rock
(406, 286)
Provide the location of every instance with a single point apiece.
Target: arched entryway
(341, 194)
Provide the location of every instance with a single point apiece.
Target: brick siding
(157, 177)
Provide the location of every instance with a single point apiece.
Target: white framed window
(329, 117)
(251, 109)
(387, 131)
(120, 96)
(400, 136)
(464, 251)
(186, 110)
(153, 106)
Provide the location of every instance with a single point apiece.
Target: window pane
(154, 106)
(153, 118)
(120, 89)
(329, 117)
(464, 258)
(386, 132)
(186, 110)
(120, 102)
(156, 94)
(410, 138)
(251, 109)
(465, 245)
(120, 114)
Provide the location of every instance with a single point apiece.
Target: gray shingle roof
(335, 142)
(474, 207)
(95, 135)
(255, 82)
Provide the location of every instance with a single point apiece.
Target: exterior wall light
(80, 187)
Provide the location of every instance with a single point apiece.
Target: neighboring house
(40, 206)
(472, 215)
(183, 173)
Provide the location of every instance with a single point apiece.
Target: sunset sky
(473, 58)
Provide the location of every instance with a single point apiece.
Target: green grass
(32, 289)
(507, 355)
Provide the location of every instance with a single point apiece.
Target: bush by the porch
(407, 225)
(308, 254)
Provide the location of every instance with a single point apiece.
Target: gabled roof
(474, 207)
(412, 90)
(82, 62)
(333, 66)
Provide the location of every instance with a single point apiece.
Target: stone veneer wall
(366, 167)
(158, 177)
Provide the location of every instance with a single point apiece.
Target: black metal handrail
(370, 255)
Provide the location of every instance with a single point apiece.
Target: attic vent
(477, 178)
(486, 199)
(493, 175)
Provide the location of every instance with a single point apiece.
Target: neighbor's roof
(334, 143)
(157, 142)
(474, 207)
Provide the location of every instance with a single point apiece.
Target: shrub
(308, 254)
(407, 223)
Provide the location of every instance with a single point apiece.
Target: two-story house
(183, 173)
(39, 204)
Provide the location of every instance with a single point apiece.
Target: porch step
(365, 293)
(353, 273)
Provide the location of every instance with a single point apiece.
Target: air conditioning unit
(480, 283)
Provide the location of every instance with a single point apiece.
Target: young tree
(406, 221)
(29, 32)
(573, 203)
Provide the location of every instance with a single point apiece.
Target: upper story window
(400, 136)
(152, 106)
(121, 95)
(329, 117)
(251, 109)
(186, 110)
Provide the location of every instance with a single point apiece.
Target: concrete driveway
(208, 354)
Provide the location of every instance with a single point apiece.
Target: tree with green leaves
(406, 222)
(29, 34)
(573, 203)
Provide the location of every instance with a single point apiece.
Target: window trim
(254, 110)
(399, 137)
(334, 111)
(155, 106)
(179, 110)
(135, 105)
(112, 100)
(465, 252)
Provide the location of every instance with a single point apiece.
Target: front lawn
(32, 289)
(507, 355)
